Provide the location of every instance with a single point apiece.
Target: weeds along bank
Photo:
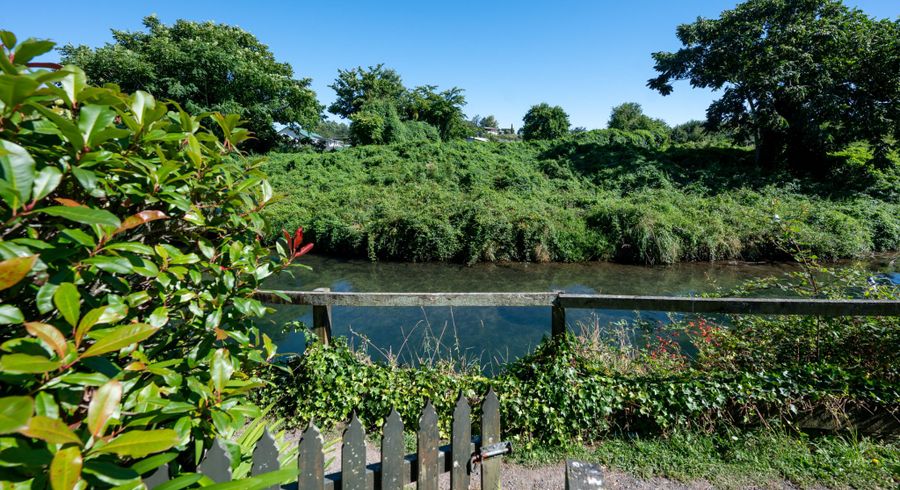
(601, 195)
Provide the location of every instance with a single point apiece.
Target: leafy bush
(130, 253)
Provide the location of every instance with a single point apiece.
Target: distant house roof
(301, 134)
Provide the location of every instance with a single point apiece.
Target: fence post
(322, 320)
(490, 434)
(558, 318)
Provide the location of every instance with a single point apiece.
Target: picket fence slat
(353, 456)
(216, 464)
(393, 472)
(460, 439)
(427, 449)
(311, 460)
(265, 457)
(392, 452)
(490, 434)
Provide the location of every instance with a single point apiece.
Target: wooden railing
(323, 299)
(395, 470)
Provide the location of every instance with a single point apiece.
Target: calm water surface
(492, 335)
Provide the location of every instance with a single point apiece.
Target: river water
(491, 335)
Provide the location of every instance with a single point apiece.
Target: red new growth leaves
(294, 243)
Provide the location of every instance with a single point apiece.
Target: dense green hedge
(607, 195)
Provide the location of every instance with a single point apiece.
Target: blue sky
(585, 56)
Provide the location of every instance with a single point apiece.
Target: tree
(443, 110)
(630, 116)
(356, 86)
(545, 122)
(333, 129)
(204, 67)
(488, 122)
(799, 77)
(378, 122)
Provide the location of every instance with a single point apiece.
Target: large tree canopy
(204, 67)
(799, 77)
(629, 116)
(382, 110)
(443, 110)
(545, 122)
(357, 86)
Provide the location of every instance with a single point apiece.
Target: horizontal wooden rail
(330, 298)
(681, 304)
(323, 299)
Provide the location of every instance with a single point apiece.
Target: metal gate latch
(491, 451)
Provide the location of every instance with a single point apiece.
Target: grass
(601, 195)
(738, 459)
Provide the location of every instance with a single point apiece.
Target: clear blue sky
(586, 56)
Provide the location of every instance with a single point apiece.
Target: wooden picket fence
(396, 469)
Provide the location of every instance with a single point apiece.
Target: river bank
(602, 195)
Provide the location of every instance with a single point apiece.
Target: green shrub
(130, 254)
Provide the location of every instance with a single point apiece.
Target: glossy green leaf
(65, 470)
(68, 301)
(16, 89)
(92, 119)
(115, 265)
(15, 269)
(83, 215)
(46, 181)
(221, 369)
(14, 413)
(73, 84)
(29, 49)
(54, 431)
(8, 39)
(120, 337)
(9, 314)
(103, 405)
(18, 170)
(27, 364)
(139, 443)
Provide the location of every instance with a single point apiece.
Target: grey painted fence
(322, 300)
(396, 469)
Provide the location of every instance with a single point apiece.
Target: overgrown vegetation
(129, 258)
(598, 195)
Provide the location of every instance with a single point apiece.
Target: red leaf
(287, 237)
(15, 269)
(306, 248)
(298, 237)
(139, 219)
(68, 202)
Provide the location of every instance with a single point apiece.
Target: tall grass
(602, 195)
